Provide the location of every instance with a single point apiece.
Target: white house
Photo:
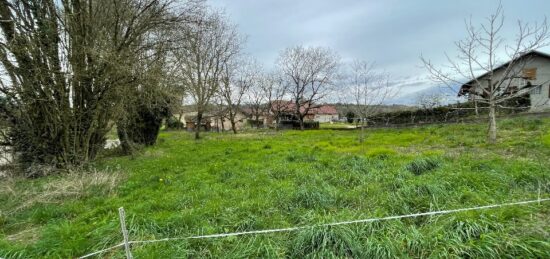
(324, 113)
(528, 74)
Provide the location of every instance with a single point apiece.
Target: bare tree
(274, 90)
(310, 73)
(257, 102)
(206, 47)
(478, 54)
(238, 78)
(369, 89)
(219, 112)
(429, 101)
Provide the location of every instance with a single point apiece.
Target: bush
(294, 124)
(452, 112)
(350, 117)
(174, 123)
(423, 165)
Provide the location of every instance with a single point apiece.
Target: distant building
(325, 113)
(214, 120)
(534, 68)
(191, 122)
(318, 113)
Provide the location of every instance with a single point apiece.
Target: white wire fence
(127, 243)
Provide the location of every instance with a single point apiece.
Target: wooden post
(124, 233)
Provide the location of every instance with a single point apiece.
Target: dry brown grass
(59, 188)
(29, 235)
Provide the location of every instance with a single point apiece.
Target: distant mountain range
(449, 95)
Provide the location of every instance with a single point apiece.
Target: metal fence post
(125, 233)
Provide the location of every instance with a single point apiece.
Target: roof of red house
(325, 109)
(289, 106)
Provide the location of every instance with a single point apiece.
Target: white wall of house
(540, 95)
(325, 117)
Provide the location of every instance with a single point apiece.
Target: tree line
(75, 69)
(72, 70)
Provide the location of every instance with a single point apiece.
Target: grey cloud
(392, 33)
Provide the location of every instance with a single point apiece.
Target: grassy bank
(261, 180)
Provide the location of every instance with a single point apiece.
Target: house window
(537, 89)
(530, 73)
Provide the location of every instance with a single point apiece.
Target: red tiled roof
(289, 106)
(324, 109)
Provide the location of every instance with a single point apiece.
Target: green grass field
(262, 180)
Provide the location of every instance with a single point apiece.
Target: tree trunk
(125, 143)
(362, 134)
(180, 116)
(302, 123)
(198, 125)
(257, 121)
(232, 121)
(492, 134)
(476, 109)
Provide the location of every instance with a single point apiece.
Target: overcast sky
(389, 32)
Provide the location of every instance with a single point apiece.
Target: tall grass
(423, 165)
(326, 242)
(225, 183)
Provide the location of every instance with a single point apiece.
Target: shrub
(451, 112)
(174, 123)
(294, 124)
(423, 165)
(350, 117)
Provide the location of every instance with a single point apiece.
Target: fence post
(124, 232)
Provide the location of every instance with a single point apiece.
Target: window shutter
(530, 73)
